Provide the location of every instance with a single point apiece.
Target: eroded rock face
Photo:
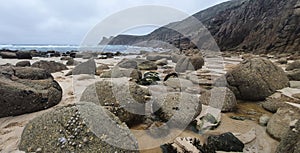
(255, 79)
(125, 99)
(85, 127)
(26, 90)
(51, 66)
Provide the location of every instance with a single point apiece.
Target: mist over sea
(65, 48)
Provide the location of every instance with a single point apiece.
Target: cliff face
(248, 25)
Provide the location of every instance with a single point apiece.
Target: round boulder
(27, 90)
(85, 127)
(279, 123)
(125, 99)
(293, 66)
(255, 79)
(220, 97)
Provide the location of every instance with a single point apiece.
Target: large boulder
(8, 55)
(130, 63)
(255, 79)
(50, 66)
(176, 57)
(120, 72)
(125, 99)
(220, 97)
(293, 66)
(88, 67)
(290, 142)
(85, 127)
(23, 64)
(26, 90)
(101, 68)
(23, 55)
(177, 108)
(280, 121)
(189, 63)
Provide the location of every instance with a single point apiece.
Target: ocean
(65, 48)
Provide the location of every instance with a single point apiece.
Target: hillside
(247, 25)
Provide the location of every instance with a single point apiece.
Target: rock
(119, 73)
(220, 97)
(23, 55)
(101, 68)
(264, 119)
(189, 63)
(279, 122)
(156, 57)
(225, 142)
(23, 64)
(295, 84)
(125, 99)
(282, 61)
(177, 108)
(197, 61)
(297, 95)
(130, 63)
(176, 57)
(27, 90)
(293, 66)
(72, 62)
(178, 83)
(150, 78)
(147, 65)
(294, 75)
(255, 79)
(65, 58)
(162, 62)
(8, 55)
(273, 105)
(88, 67)
(51, 66)
(290, 142)
(92, 129)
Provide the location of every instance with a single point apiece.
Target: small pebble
(38, 150)
(85, 140)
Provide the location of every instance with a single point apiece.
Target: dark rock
(65, 58)
(27, 90)
(23, 55)
(125, 99)
(72, 62)
(290, 142)
(150, 78)
(221, 98)
(255, 79)
(225, 142)
(88, 67)
(23, 64)
(8, 55)
(293, 66)
(282, 61)
(280, 121)
(171, 75)
(130, 63)
(94, 130)
(51, 66)
(294, 75)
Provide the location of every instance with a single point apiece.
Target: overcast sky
(68, 21)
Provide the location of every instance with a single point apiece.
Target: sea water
(65, 48)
